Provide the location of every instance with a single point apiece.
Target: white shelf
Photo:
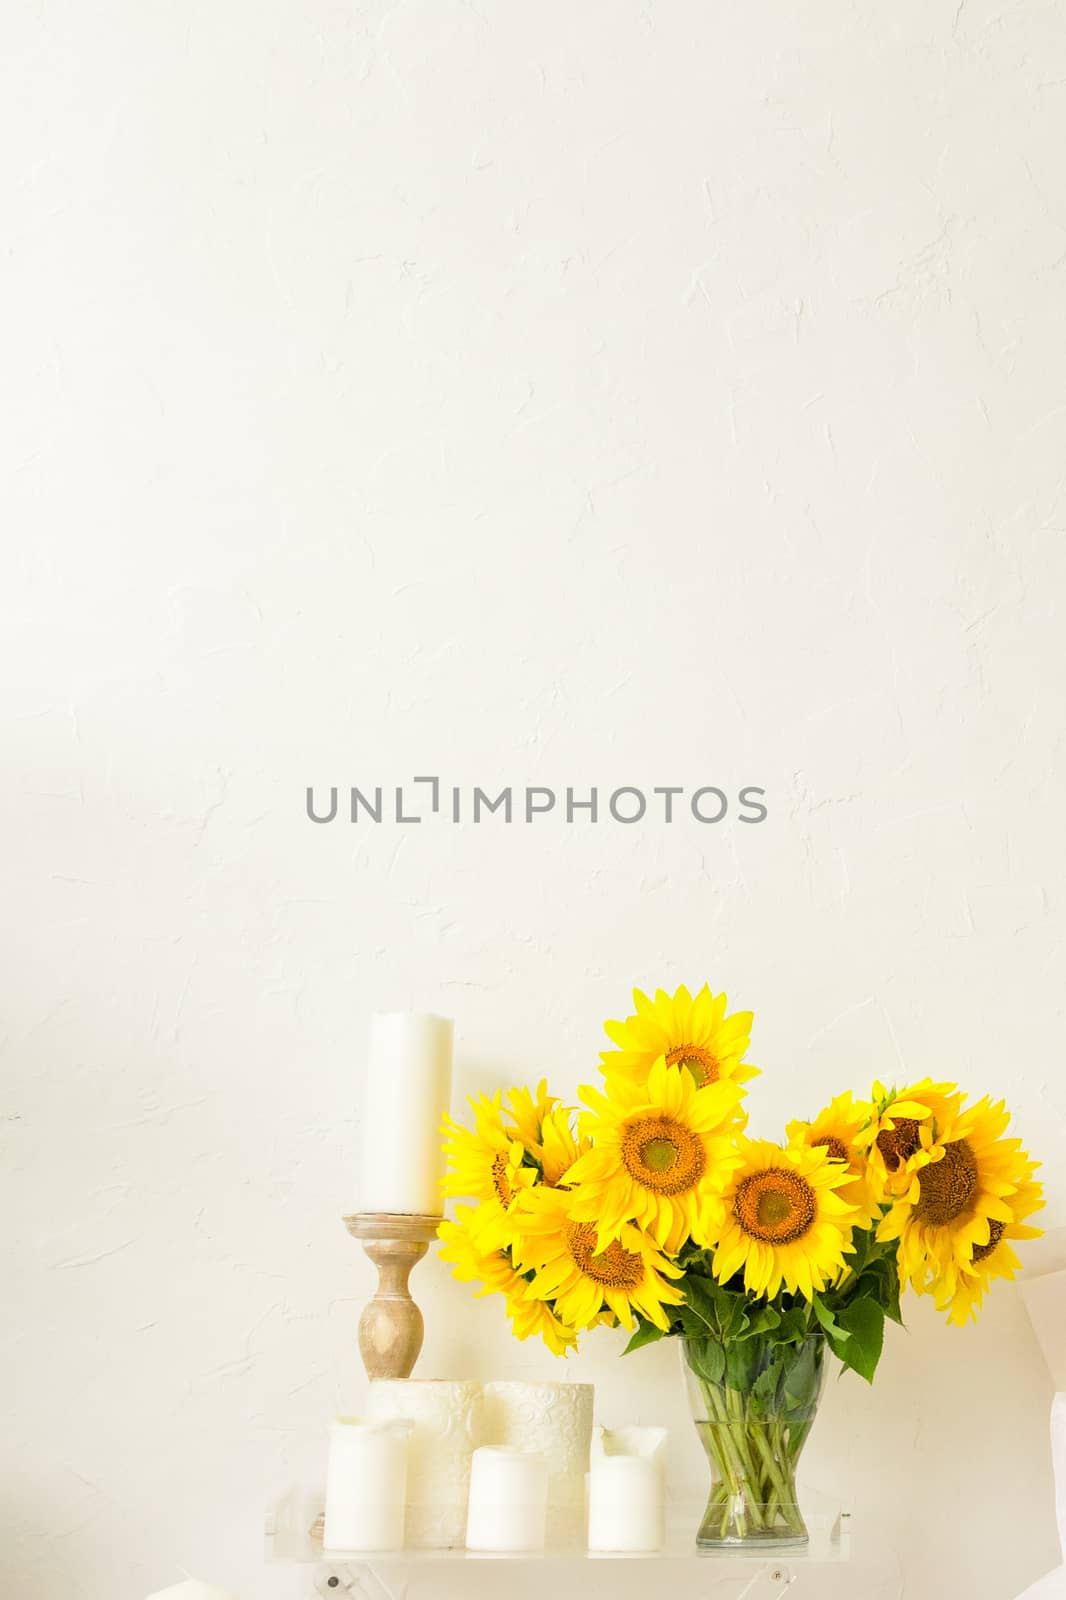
(837, 1560)
(680, 1546)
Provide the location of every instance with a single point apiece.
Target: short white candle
(626, 1503)
(192, 1590)
(508, 1499)
(408, 1091)
(366, 1485)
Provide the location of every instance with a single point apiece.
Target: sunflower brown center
(981, 1252)
(614, 1267)
(661, 1154)
(947, 1186)
(898, 1144)
(776, 1206)
(703, 1066)
(500, 1181)
(838, 1150)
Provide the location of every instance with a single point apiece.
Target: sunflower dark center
(703, 1066)
(775, 1206)
(662, 1154)
(947, 1186)
(838, 1150)
(614, 1267)
(501, 1182)
(898, 1144)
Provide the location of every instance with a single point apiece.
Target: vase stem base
(785, 1540)
(738, 1524)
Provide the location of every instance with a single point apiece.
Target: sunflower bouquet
(652, 1209)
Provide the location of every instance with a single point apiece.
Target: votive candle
(508, 1499)
(625, 1504)
(366, 1485)
(627, 1490)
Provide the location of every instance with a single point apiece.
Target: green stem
(785, 1454)
(773, 1470)
(731, 1458)
(746, 1446)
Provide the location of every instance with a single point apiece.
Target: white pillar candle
(192, 1590)
(408, 1091)
(508, 1499)
(555, 1418)
(626, 1490)
(625, 1504)
(366, 1485)
(445, 1419)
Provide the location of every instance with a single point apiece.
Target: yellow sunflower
(690, 1032)
(837, 1128)
(544, 1126)
(493, 1270)
(588, 1284)
(905, 1130)
(782, 1219)
(660, 1152)
(485, 1163)
(560, 1147)
(951, 1202)
(960, 1293)
(527, 1110)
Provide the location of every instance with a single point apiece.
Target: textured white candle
(446, 1423)
(192, 1590)
(408, 1091)
(508, 1499)
(366, 1485)
(555, 1418)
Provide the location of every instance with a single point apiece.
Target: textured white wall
(601, 393)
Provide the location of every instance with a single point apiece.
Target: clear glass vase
(753, 1403)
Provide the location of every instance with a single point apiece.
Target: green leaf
(692, 1325)
(645, 1333)
(707, 1358)
(832, 1327)
(791, 1328)
(879, 1280)
(764, 1390)
(741, 1364)
(760, 1319)
(700, 1300)
(864, 1320)
(723, 1311)
(863, 1242)
(801, 1377)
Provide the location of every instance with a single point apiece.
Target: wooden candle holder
(391, 1327)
